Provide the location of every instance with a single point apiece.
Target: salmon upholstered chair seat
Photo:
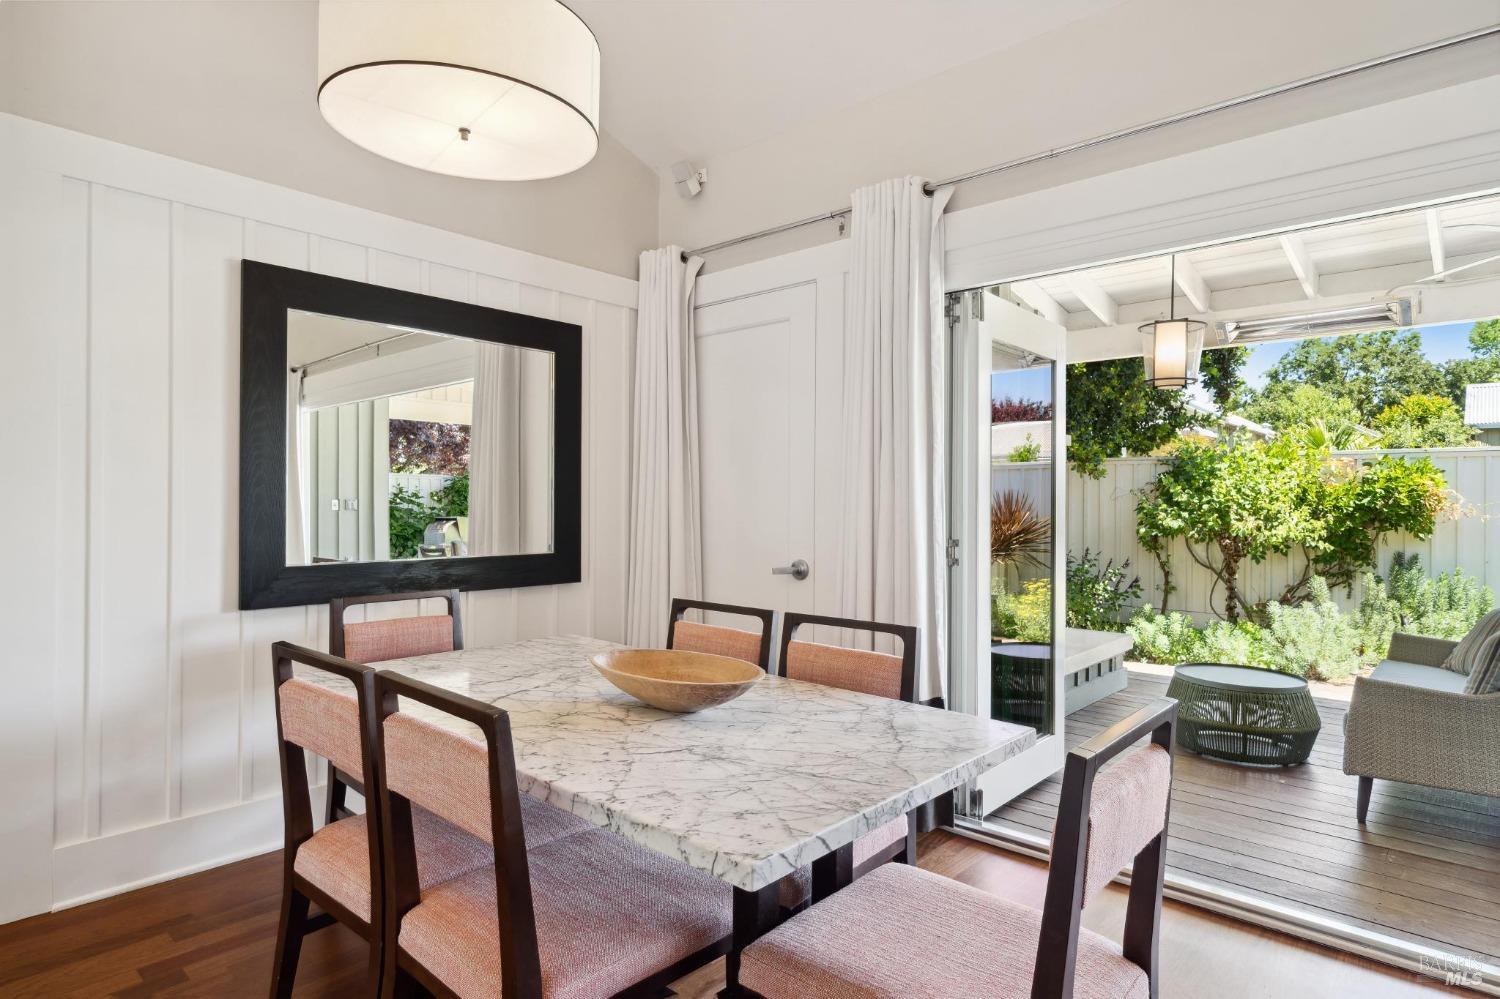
(862, 942)
(608, 914)
(398, 638)
(689, 636)
(337, 858)
(794, 888)
(849, 669)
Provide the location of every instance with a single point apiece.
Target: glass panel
(405, 444)
(1022, 542)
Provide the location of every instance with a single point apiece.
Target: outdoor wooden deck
(1426, 867)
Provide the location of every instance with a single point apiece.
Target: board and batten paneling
(161, 755)
(1101, 517)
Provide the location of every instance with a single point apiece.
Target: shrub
(1027, 450)
(1445, 607)
(1422, 421)
(409, 517)
(1163, 638)
(1010, 410)
(1097, 594)
(1017, 533)
(1314, 638)
(1026, 616)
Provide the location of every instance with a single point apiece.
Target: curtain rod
(343, 353)
(1134, 130)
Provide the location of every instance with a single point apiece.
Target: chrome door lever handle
(797, 570)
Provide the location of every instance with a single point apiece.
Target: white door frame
(974, 335)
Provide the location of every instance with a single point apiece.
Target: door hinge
(952, 552)
(978, 306)
(950, 310)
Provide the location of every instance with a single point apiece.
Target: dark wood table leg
(755, 913)
(832, 871)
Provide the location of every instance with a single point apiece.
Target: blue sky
(1442, 342)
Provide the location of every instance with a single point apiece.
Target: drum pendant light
(488, 89)
(1172, 347)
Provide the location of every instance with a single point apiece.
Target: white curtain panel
(296, 473)
(892, 560)
(666, 541)
(496, 497)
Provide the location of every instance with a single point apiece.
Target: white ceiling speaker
(487, 89)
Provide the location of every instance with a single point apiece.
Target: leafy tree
(1220, 373)
(1112, 409)
(1364, 503)
(1229, 503)
(1371, 370)
(1422, 421)
(1484, 338)
(1484, 366)
(1010, 410)
(434, 448)
(1286, 405)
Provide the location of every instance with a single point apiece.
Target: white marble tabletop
(748, 791)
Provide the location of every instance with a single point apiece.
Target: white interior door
(755, 420)
(1001, 350)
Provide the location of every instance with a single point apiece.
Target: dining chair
(860, 941)
(378, 641)
(582, 915)
(866, 672)
(719, 640)
(339, 866)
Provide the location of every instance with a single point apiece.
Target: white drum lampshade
(488, 89)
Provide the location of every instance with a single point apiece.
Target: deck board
(1425, 868)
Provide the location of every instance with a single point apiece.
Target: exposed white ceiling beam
(1302, 263)
(1192, 284)
(1032, 294)
(1435, 240)
(1095, 298)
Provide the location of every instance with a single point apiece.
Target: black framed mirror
(392, 442)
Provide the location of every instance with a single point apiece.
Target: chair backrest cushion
(713, 639)
(850, 669)
(1127, 810)
(1485, 678)
(1466, 655)
(444, 772)
(398, 638)
(323, 721)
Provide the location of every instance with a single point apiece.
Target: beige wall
(1141, 60)
(232, 85)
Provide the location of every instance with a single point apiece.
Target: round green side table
(1241, 714)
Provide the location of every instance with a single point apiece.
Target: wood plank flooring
(212, 934)
(1426, 867)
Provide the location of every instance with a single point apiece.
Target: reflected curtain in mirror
(510, 481)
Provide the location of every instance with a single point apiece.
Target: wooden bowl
(677, 681)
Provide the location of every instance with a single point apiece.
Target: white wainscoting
(137, 714)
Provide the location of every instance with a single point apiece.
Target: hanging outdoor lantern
(1172, 347)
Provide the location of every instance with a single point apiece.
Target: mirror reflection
(404, 444)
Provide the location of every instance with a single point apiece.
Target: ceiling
(687, 79)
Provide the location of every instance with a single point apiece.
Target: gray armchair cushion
(1413, 675)
(1466, 656)
(1485, 678)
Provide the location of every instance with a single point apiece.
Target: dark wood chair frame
(296, 891)
(904, 852)
(339, 784)
(767, 618)
(1062, 908)
(520, 958)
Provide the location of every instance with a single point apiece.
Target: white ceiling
(686, 79)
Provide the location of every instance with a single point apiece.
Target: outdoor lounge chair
(1412, 721)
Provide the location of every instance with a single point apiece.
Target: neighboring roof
(1482, 405)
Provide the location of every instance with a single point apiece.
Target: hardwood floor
(1425, 868)
(211, 934)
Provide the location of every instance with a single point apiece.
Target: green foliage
(1027, 450)
(1410, 601)
(409, 517)
(1334, 436)
(1287, 405)
(1389, 494)
(1026, 616)
(1172, 638)
(1097, 594)
(1370, 370)
(1461, 372)
(1314, 638)
(1247, 500)
(410, 514)
(1422, 421)
(1484, 338)
(1219, 371)
(1113, 410)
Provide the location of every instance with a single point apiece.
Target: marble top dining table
(748, 791)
